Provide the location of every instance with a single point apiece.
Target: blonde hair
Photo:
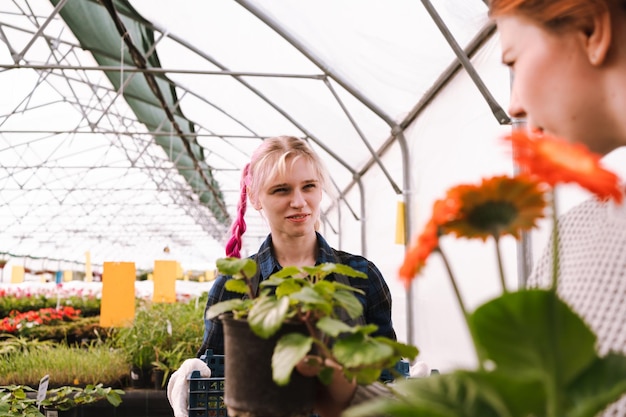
(269, 160)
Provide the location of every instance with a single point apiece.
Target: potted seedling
(297, 312)
(63, 399)
(18, 400)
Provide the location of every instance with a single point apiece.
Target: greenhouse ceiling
(124, 124)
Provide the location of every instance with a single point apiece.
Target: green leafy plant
(25, 362)
(160, 327)
(15, 402)
(169, 360)
(302, 294)
(66, 397)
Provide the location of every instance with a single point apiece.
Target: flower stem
(555, 243)
(500, 267)
(461, 304)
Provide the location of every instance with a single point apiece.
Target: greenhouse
(125, 125)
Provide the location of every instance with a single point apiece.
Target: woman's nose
(516, 110)
(297, 200)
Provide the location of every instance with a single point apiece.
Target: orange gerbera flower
(554, 161)
(416, 256)
(498, 206)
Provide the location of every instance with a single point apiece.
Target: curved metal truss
(120, 138)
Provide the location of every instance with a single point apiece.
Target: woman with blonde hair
(284, 181)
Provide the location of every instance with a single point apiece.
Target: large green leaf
(267, 315)
(533, 330)
(289, 351)
(224, 307)
(348, 301)
(601, 384)
(355, 350)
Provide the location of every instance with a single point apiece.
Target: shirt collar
(268, 264)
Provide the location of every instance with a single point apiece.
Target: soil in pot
(249, 388)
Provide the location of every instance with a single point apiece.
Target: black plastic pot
(53, 412)
(139, 378)
(249, 388)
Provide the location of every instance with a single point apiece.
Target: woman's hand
(332, 399)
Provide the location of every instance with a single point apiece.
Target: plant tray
(206, 395)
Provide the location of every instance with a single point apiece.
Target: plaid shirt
(376, 299)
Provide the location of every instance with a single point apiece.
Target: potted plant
(15, 401)
(167, 361)
(296, 313)
(19, 400)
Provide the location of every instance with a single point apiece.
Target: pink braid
(238, 228)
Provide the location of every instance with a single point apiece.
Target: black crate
(206, 395)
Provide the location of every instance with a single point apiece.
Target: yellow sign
(88, 271)
(117, 307)
(164, 277)
(17, 274)
(400, 228)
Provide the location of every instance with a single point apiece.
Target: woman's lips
(298, 217)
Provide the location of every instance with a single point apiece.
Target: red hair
(554, 13)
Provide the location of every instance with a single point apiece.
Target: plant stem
(453, 281)
(555, 243)
(461, 305)
(500, 267)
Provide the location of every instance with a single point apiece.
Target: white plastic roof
(401, 98)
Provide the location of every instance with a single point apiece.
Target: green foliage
(88, 364)
(82, 328)
(544, 364)
(162, 334)
(88, 305)
(64, 398)
(15, 402)
(303, 295)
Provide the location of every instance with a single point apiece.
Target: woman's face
(291, 203)
(554, 84)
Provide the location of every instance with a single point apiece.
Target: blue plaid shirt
(376, 299)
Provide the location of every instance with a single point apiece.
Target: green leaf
(288, 272)
(237, 266)
(600, 385)
(309, 296)
(348, 301)
(224, 307)
(452, 395)
(267, 315)
(289, 351)
(533, 330)
(403, 349)
(287, 287)
(236, 285)
(355, 350)
(347, 271)
(334, 327)
(326, 375)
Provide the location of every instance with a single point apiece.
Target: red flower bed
(16, 320)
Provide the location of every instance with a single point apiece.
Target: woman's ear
(598, 39)
(254, 203)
